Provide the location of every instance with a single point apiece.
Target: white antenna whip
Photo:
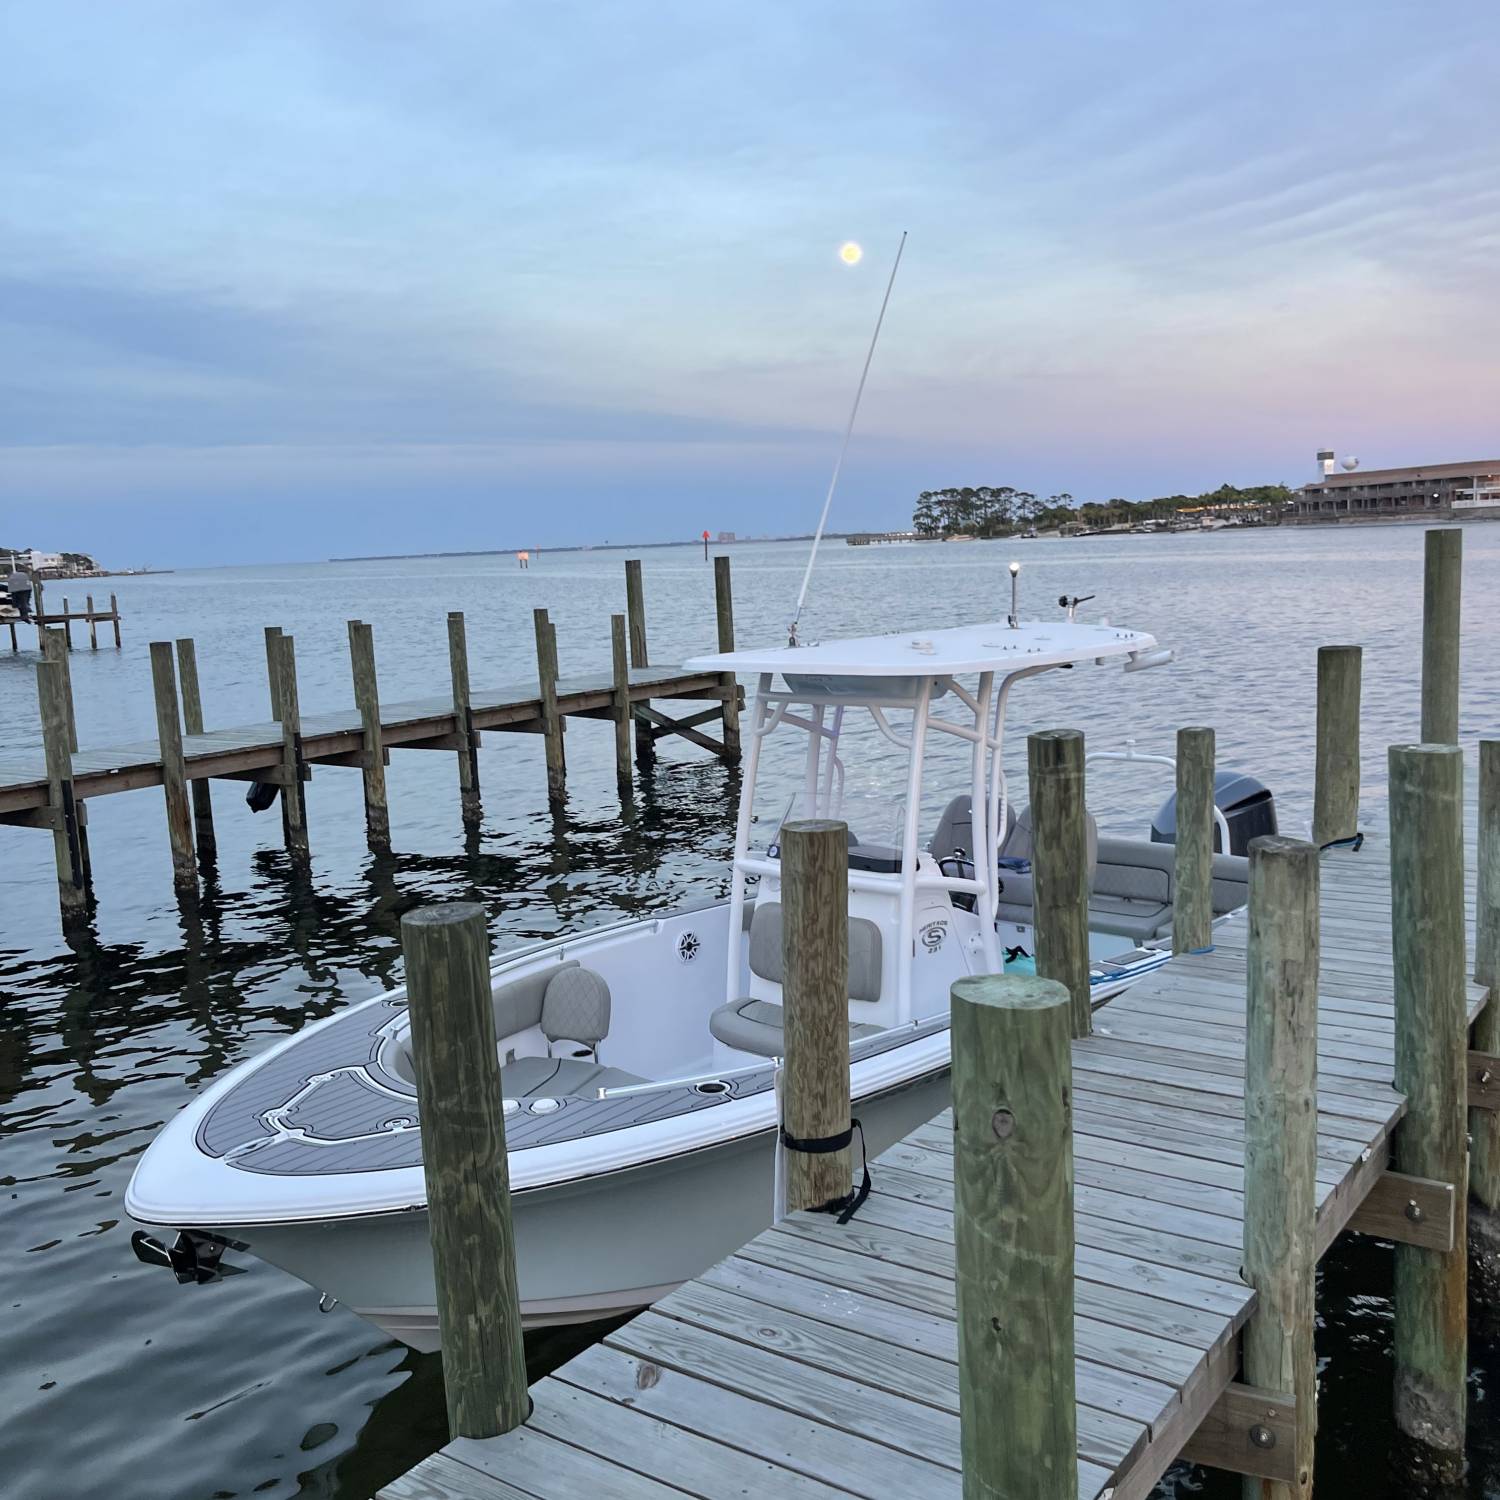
(812, 556)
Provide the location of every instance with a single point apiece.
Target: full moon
(850, 253)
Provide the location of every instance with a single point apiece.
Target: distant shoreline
(692, 541)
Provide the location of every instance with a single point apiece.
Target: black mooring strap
(1353, 843)
(850, 1203)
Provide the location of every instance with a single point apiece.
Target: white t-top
(936, 653)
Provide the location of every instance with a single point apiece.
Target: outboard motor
(1247, 805)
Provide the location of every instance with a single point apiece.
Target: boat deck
(820, 1361)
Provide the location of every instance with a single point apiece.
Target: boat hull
(588, 1249)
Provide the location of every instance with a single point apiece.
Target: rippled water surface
(115, 1381)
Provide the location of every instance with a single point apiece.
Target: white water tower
(1350, 464)
(1326, 459)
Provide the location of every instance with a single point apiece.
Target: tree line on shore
(999, 510)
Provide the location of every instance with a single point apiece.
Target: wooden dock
(51, 789)
(821, 1361)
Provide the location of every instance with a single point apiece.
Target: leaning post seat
(754, 1025)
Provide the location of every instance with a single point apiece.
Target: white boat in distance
(639, 1058)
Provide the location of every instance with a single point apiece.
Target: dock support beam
(173, 772)
(1336, 767)
(372, 748)
(192, 723)
(1427, 922)
(466, 1168)
(1013, 1237)
(724, 611)
(552, 722)
(1281, 1142)
(1442, 582)
(621, 705)
(815, 996)
(284, 693)
(1059, 865)
(1484, 1124)
(463, 717)
(65, 813)
(1193, 857)
(635, 610)
(55, 649)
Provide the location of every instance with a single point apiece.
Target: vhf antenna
(812, 556)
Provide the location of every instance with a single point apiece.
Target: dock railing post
(552, 724)
(467, 1170)
(815, 1010)
(1193, 856)
(173, 772)
(463, 717)
(65, 810)
(114, 618)
(1013, 1237)
(68, 624)
(293, 796)
(372, 750)
(1336, 768)
(192, 723)
(1442, 583)
(621, 664)
(1059, 865)
(93, 624)
(1281, 1140)
(724, 612)
(1427, 935)
(1484, 1124)
(635, 611)
(273, 669)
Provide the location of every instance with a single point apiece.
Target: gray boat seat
(557, 1077)
(575, 1007)
(756, 1026)
(955, 830)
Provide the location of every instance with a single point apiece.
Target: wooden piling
(621, 663)
(466, 1167)
(1193, 857)
(192, 723)
(1427, 934)
(1336, 767)
(635, 611)
(724, 613)
(93, 624)
(1442, 582)
(815, 1001)
(1281, 1139)
(463, 719)
(68, 624)
(173, 772)
(1013, 1237)
(552, 724)
(1484, 1124)
(1059, 865)
(293, 796)
(63, 810)
(54, 649)
(372, 750)
(273, 669)
(114, 618)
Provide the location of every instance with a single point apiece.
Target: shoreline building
(1435, 491)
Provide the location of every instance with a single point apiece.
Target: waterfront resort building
(1436, 491)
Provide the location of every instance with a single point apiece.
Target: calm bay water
(113, 1380)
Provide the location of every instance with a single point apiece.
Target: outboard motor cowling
(1247, 805)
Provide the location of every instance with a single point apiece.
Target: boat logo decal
(934, 935)
(688, 946)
